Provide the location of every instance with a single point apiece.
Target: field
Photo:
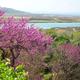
(43, 18)
(53, 19)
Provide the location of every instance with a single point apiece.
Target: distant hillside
(13, 12)
(41, 17)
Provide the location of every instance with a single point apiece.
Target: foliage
(8, 73)
(64, 62)
(17, 35)
(75, 38)
(71, 51)
(69, 62)
(27, 45)
(48, 76)
(61, 39)
(51, 32)
(1, 12)
(32, 48)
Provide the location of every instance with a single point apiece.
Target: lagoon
(55, 25)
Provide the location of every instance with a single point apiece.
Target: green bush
(61, 39)
(48, 76)
(75, 38)
(8, 73)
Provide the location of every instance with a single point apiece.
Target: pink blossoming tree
(17, 35)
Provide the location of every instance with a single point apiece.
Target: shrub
(69, 62)
(24, 41)
(8, 73)
(17, 35)
(75, 38)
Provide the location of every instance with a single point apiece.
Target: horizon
(64, 7)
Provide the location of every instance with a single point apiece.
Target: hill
(41, 18)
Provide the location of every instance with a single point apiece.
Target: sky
(44, 6)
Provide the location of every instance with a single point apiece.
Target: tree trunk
(3, 54)
(12, 58)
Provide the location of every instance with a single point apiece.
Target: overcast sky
(44, 6)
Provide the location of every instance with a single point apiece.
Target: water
(55, 25)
